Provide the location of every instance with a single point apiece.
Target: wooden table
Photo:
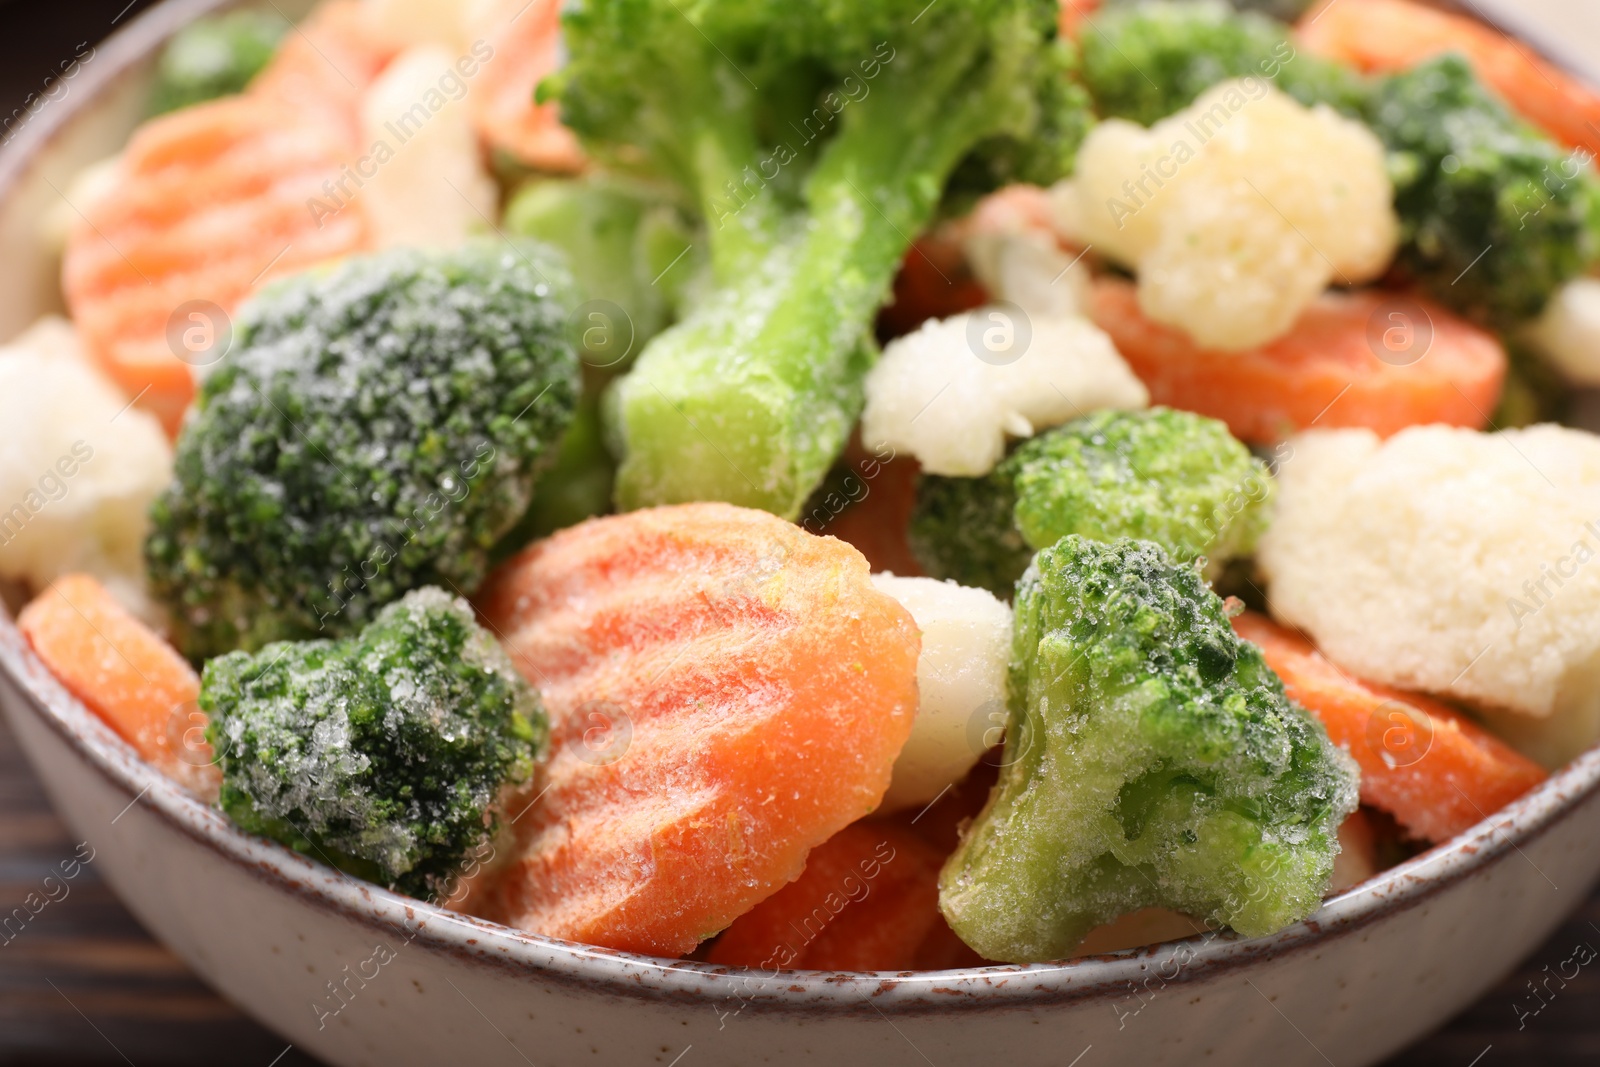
(83, 984)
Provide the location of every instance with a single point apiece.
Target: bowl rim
(630, 976)
(1496, 839)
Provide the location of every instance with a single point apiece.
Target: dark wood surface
(84, 984)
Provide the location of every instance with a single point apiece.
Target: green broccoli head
(214, 57)
(385, 754)
(813, 139)
(1145, 61)
(1172, 477)
(374, 429)
(1494, 215)
(1151, 759)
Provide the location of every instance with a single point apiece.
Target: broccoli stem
(751, 398)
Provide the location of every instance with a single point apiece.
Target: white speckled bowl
(1375, 968)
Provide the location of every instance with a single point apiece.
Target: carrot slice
(1432, 768)
(525, 40)
(1390, 35)
(210, 202)
(125, 674)
(725, 693)
(326, 64)
(1074, 15)
(1326, 371)
(934, 283)
(868, 901)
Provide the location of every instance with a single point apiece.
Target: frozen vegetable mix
(813, 140)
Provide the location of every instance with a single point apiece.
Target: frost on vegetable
(1451, 562)
(1152, 760)
(79, 468)
(215, 56)
(961, 678)
(376, 428)
(1237, 211)
(1495, 216)
(811, 165)
(626, 245)
(428, 186)
(1144, 61)
(1172, 477)
(384, 754)
(944, 397)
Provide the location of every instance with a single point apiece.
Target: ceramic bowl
(359, 976)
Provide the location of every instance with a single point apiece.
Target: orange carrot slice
(1326, 371)
(124, 673)
(1432, 768)
(525, 42)
(1074, 14)
(725, 693)
(1390, 35)
(868, 900)
(210, 202)
(934, 283)
(326, 64)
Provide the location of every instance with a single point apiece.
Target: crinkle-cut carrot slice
(210, 203)
(1390, 35)
(1435, 770)
(124, 673)
(325, 65)
(868, 901)
(1326, 371)
(525, 44)
(725, 691)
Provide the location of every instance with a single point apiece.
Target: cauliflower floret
(1011, 243)
(1238, 210)
(950, 392)
(961, 679)
(78, 466)
(429, 187)
(1568, 332)
(1450, 561)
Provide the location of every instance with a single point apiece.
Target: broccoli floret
(1151, 759)
(1172, 477)
(385, 754)
(814, 139)
(375, 429)
(1145, 61)
(1494, 215)
(213, 57)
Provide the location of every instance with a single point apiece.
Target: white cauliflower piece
(1568, 332)
(933, 396)
(78, 466)
(428, 187)
(961, 678)
(1010, 241)
(1237, 211)
(1452, 562)
(1027, 268)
